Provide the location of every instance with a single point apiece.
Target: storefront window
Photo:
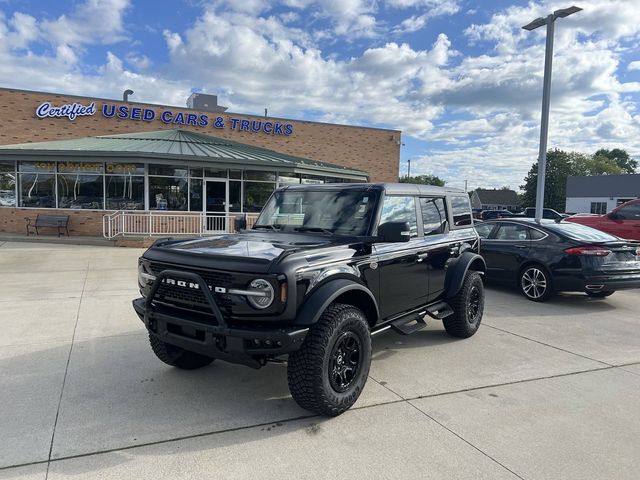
(168, 193)
(312, 179)
(235, 196)
(168, 170)
(288, 178)
(195, 172)
(256, 195)
(38, 167)
(125, 169)
(80, 191)
(80, 167)
(196, 195)
(124, 192)
(7, 185)
(37, 190)
(215, 172)
(236, 174)
(263, 176)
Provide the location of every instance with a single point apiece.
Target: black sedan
(548, 257)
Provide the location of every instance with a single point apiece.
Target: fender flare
(458, 269)
(313, 308)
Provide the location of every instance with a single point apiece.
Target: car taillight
(589, 251)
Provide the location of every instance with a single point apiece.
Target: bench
(48, 221)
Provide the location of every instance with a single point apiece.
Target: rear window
(460, 210)
(579, 232)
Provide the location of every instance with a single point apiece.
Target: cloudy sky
(460, 78)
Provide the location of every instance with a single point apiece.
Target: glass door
(216, 205)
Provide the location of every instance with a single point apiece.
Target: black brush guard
(247, 346)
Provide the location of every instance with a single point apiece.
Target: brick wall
(81, 222)
(375, 151)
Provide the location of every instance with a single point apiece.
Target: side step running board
(408, 325)
(439, 310)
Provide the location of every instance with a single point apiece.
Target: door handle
(422, 257)
(522, 246)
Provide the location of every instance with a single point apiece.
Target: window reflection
(80, 191)
(37, 190)
(124, 192)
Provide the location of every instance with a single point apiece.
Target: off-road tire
(309, 371)
(601, 294)
(529, 271)
(468, 307)
(176, 356)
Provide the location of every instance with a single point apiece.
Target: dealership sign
(124, 112)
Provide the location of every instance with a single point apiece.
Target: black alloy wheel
(535, 283)
(345, 361)
(474, 304)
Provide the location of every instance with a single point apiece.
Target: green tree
(597, 165)
(560, 165)
(424, 180)
(620, 157)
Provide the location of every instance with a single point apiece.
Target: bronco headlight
(144, 277)
(260, 293)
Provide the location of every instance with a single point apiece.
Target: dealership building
(117, 167)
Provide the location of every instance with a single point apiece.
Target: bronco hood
(240, 252)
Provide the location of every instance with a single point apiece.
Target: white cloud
(478, 115)
(92, 22)
(635, 65)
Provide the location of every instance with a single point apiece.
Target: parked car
(622, 221)
(323, 269)
(547, 213)
(548, 257)
(491, 214)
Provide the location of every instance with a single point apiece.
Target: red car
(622, 221)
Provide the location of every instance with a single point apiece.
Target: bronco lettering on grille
(193, 285)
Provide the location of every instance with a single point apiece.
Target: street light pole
(549, 21)
(409, 168)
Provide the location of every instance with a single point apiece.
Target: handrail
(150, 223)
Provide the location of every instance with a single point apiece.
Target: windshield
(579, 232)
(339, 212)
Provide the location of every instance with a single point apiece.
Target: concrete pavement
(543, 391)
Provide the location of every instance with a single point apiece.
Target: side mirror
(241, 223)
(394, 232)
(613, 216)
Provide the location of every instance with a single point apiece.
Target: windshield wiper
(275, 228)
(313, 229)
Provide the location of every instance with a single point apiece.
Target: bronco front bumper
(247, 346)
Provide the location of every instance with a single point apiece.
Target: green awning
(177, 145)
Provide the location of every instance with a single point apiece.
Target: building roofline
(8, 89)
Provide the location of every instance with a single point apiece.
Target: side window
(434, 215)
(484, 229)
(461, 210)
(512, 231)
(400, 209)
(535, 234)
(632, 212)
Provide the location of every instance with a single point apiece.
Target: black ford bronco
(323, 269)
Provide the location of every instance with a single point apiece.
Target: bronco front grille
(192, 298)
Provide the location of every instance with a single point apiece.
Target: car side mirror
(613, 216)
(241, 223)
(393, 232)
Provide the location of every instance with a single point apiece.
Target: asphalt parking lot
(543, 391)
